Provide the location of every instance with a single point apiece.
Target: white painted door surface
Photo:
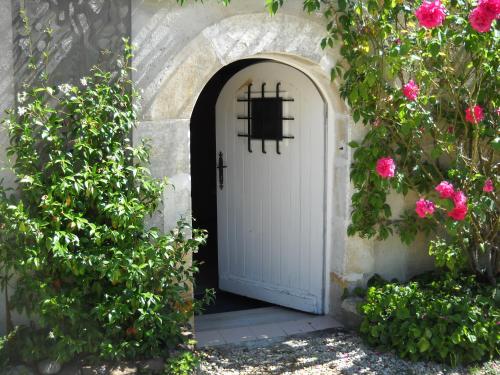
(271, 207)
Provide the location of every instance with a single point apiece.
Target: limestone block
(156, 220)
(174, 54)
(419, 260)
(177, 200)
(350, 315)
(359, 256)
(391, 258)
(192, 69)
(155, 365)
(336, 290)
(170, 155)
(48, 367)
(169, 142)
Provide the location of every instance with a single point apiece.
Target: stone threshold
(268, 323)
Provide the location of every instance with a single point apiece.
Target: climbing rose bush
(423, 79)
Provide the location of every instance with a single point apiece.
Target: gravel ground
(327, 352)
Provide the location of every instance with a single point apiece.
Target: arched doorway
(264, 209)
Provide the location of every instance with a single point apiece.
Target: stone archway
(170, 98)
(236, 38)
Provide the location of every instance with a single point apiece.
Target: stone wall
(180, 49)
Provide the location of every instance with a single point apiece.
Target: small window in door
(267, 118)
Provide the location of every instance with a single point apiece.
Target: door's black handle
(220, 167)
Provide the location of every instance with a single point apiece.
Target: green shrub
(89, 271)
(4, 351)
(183, 364)
(446, 320)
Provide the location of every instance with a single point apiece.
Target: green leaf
(495, 144)
(423, 345)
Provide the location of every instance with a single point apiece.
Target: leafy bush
(445, 320)
(184, 363)
(4, 352)
(89, 271)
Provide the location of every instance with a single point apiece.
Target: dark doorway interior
(204, 190)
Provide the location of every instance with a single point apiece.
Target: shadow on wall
(85, 33)
(6, 85)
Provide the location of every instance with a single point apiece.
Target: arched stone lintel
(284, 38)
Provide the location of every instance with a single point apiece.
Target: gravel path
(327, 352)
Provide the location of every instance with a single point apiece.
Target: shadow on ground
(327, 352)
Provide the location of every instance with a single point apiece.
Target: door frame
(340, 128)
(324, 305)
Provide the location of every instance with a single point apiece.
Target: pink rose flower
(490, 6)
(460, 210)
(411, 90)
(445, 190)
(431, 14)
(481, 20)
(488, 186)
(424, 208)
(474, 115)
(458, 213)
(385, 167)
(459, 198)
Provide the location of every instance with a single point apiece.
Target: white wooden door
(271, 206)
